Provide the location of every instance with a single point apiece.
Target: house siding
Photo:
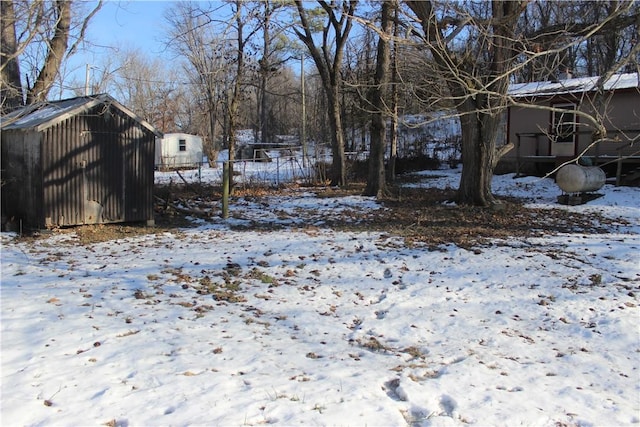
(528, 125)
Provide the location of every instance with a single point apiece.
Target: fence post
(225, 190)
(619, 169)
(518, 155)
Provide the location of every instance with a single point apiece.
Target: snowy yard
(306, 325)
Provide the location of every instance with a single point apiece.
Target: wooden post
(619, 170)
(517, 155)
(225, 190)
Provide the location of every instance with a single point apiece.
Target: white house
(178, 150)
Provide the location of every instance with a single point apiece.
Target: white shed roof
(42, 115)
(577, 85)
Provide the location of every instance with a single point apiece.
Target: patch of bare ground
(427, 216)
(419, 216)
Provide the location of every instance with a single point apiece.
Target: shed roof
(43, 115)
(576, 85)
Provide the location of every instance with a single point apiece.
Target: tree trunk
(394, 100)
(263, 105)
(265, 69)
(330, 74)
(338, 172)
(212, 146)
(481, 109)
(236, 92)
(10, 86)
(56, 53)
(376, 182)
(479, 132)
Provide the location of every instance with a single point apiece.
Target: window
(182, 144)
(564, 123)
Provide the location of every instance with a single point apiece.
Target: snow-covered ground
(304, 325)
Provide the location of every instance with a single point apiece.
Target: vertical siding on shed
(61, 174)
(97, 168)
(22, 191)
(103, 175)
(139, 146)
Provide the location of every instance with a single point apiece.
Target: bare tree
(42, 35)
(195, 39)
(147, 87)
(56, 52)
(376, 182)
(328, 60)
(241, 19)
(10, 85)
(394, 96)
(358, 73)
(478, 89)
(549, 29)
(476, 49)
(599, 54)
(269, 64)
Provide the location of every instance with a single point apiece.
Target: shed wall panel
(62, 174)
(21, 172)
(94, 166)
(103, 175)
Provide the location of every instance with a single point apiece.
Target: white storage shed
(178, 151)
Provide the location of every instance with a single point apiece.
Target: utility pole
(86, 80)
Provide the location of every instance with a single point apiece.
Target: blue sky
(135, 23)
(120, 24)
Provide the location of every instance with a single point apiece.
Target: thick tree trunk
(55, 55)
(481, 109)
(478, 151)
(10, 86)
(376, 182)
(338, 172)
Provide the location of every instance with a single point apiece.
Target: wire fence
(273, 172)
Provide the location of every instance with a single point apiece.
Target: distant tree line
(367, 65)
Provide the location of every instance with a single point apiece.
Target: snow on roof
(45, 114)
(34, 115)
(576, 85)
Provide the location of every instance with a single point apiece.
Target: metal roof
(46, 114)
(575, 85)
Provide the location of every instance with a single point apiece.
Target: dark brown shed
(84, 160)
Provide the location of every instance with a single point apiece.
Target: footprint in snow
(391, 388)
(448, 405)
